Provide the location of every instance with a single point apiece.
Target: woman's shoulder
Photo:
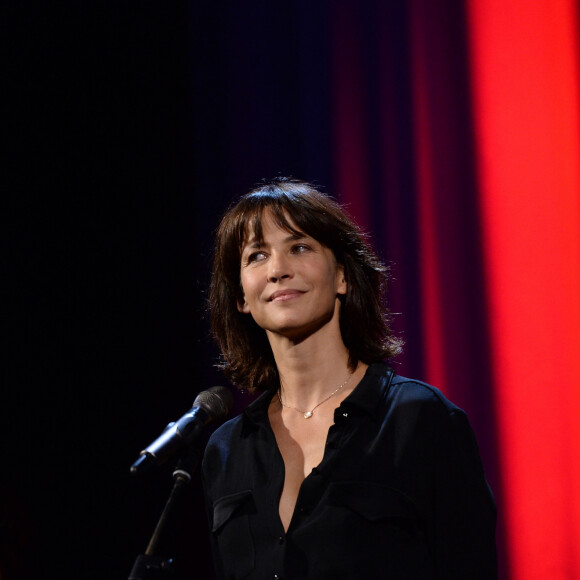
(226, 432)
(254, 414)
(220, 445)
(400, 392)
(409, 400)
(421, 392)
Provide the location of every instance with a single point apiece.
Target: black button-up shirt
(400, 492)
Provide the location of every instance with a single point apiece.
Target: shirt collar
(257, 411)
(371, 389)
(365, 396)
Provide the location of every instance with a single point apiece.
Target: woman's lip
(282, 295)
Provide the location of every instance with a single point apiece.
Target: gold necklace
(308, 414)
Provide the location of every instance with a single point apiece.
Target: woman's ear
(341, 285)
(243, 306)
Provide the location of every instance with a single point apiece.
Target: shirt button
(345, 414)
(281, 540)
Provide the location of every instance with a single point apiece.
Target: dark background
(129, 128)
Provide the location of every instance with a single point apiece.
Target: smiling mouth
(284, 295)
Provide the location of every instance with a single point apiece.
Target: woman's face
(290, 282)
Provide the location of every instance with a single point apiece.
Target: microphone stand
(150, 566)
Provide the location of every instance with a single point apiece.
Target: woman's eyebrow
(293, 237)
(296, 236)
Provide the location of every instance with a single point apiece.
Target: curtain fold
(526, 97)
(457, 144)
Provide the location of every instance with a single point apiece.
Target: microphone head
(217, 402)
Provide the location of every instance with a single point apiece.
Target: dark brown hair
(247, 358)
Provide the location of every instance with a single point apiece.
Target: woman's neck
(312, 368)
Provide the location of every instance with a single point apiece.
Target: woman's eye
(256, 257)
(300, 248)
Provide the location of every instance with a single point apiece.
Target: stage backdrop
(451, 131)
(449, 128)
(457, 144)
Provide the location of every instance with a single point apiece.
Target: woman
(341, 469)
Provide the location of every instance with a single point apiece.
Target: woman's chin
(298, 333)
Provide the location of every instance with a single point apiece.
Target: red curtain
(458, 145)
(526, 98)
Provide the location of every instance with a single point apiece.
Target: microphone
(210, 405)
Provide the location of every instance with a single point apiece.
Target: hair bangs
(286, 216)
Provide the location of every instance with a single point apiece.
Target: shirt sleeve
(464, 509)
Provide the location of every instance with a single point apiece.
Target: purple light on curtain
(405, 164)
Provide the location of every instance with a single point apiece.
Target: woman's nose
(279, 267)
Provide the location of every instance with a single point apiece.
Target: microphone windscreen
(216, 401)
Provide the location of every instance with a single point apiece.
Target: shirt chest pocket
(231, 529)
(375, 527)
(372, 501)
(374, 513)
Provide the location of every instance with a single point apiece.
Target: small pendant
(308, 414)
